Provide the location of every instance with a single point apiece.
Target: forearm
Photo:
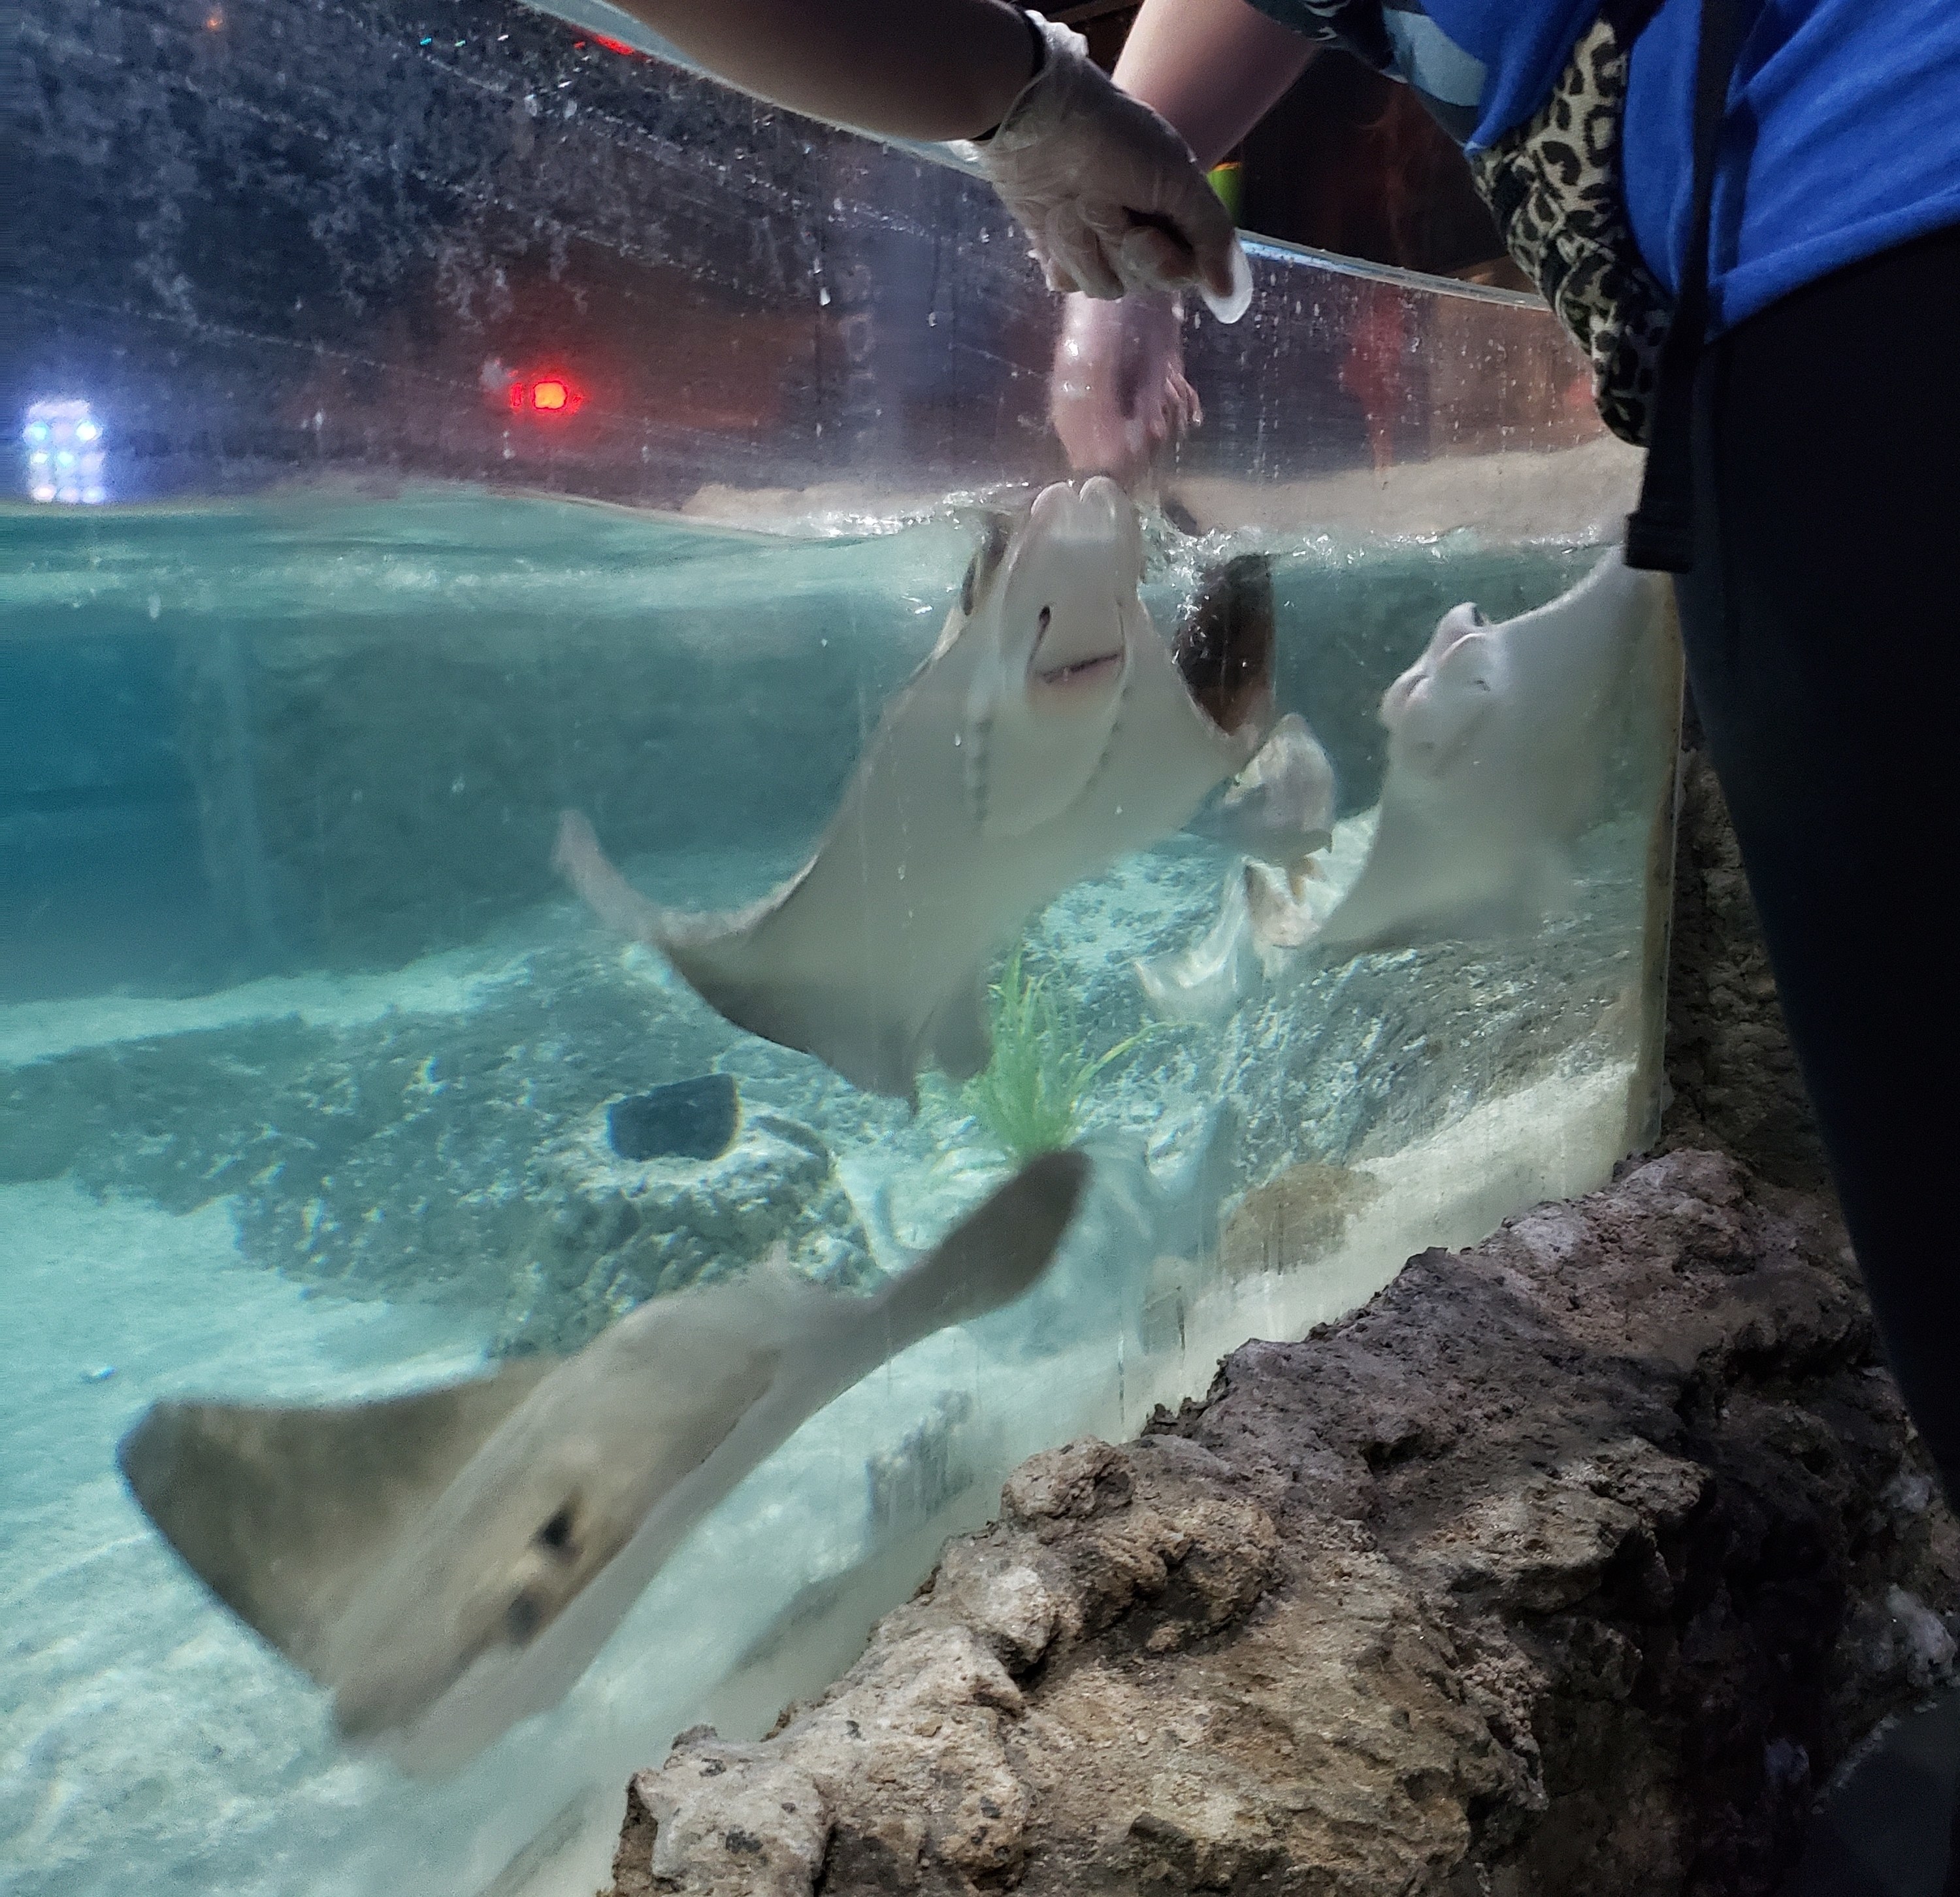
(1213, 68)
(906, 68)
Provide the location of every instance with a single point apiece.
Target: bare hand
(1118, 393)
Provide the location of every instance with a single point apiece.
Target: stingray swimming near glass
(1050, 730)
(1495, 738)
(447, 1563)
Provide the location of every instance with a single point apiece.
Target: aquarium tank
(479, 493)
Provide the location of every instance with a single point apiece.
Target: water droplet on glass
(901, 872)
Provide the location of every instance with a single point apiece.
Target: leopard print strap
(1554, 185)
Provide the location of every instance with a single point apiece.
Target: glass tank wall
(435, 418)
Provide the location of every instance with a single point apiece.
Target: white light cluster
(64, 456)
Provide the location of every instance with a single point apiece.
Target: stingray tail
(577, 857)
(993, 1254)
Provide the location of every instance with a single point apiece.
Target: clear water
(303, 1057)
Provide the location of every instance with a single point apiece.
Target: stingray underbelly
(853, 946)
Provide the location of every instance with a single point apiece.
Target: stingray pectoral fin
(1278, 919)
(850, 1030)
(577, 857)
(282, 1512)
(1208, 980)
(993, 1254)
(961, 1041)
(1224, 645)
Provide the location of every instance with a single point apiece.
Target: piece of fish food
(1049, 732)
(448, 1563)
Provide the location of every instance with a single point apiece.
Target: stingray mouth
(1065, 675)
(1078, 674)
(1465, 622)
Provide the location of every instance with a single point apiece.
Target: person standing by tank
(1818, 605)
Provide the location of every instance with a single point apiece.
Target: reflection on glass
(63, 445)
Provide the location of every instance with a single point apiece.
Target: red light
(552, 395)
(613, 46)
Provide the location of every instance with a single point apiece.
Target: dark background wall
(1349, 161)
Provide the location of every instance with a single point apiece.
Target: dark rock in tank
(685, 1119)
(1572, 1563)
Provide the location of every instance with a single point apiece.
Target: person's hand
(1110, 195)
(1118, 392)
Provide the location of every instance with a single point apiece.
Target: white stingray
(448, 1563)
(1050, 732)
(1496, 737)
(1280, 808)
(1264, 913)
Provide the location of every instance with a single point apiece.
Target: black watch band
(1041, 59)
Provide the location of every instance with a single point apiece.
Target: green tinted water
(304, 1057)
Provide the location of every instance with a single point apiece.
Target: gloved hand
(1118, 392)
(1110, 194)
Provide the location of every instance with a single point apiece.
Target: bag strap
(1660, 531)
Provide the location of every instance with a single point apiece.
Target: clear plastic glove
(1118, 392)
(1109, 193)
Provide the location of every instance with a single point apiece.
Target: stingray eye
(969, 586)
(523, 1619)
(556, 1533)
(1041, 623)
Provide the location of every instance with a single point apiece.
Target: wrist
(1037, 58)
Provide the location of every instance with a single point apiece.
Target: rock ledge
(1572, 1563)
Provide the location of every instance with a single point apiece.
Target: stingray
(447, 1563)
(1496, 736)
(1051, 731)
(1280, 808)
(1264, 912)
(1278, 811)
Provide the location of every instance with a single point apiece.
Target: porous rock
(620, 1231)
(1571, 1562)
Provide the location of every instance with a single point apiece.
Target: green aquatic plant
(1031, 1096)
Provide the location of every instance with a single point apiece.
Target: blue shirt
(1842, 139)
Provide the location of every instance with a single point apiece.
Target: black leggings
(1822, 624)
